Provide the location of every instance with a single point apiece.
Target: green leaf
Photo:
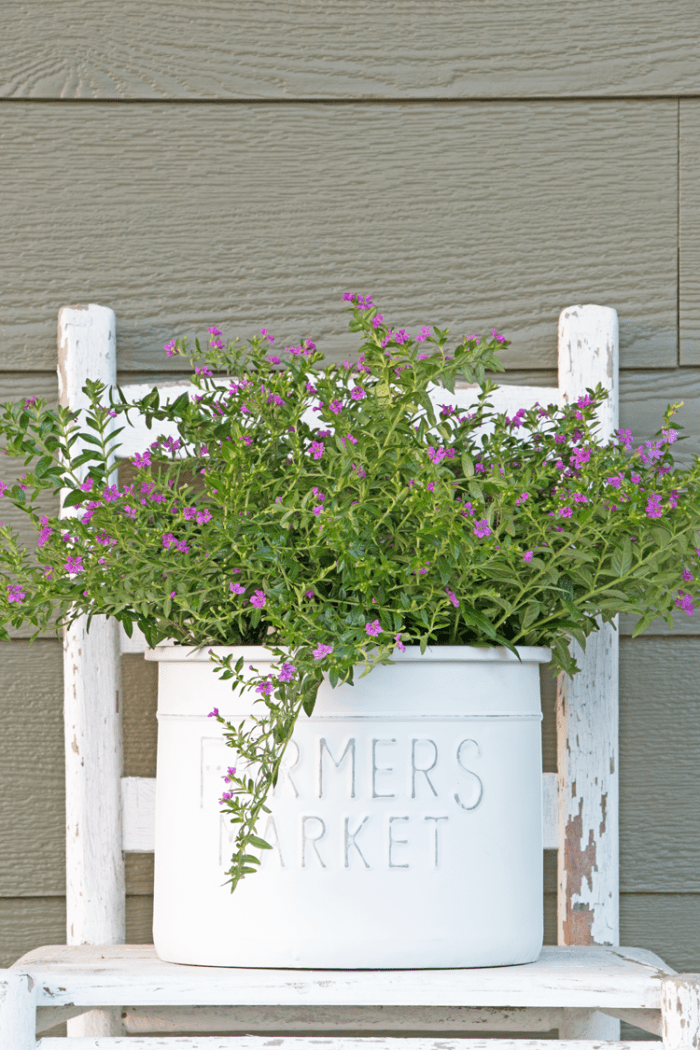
(258, 843)
(645, 622)
(74, 497)
(467, 465)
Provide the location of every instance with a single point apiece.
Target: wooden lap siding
(502, 206)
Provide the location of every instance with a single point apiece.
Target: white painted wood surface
(95, 890)
(582, 977)
(680, 1011)
(17, 1011)
(260, 1043)
(587, 708)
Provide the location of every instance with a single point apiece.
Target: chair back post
(587, 705)
(95, 893)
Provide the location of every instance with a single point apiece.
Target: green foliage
(333, 514)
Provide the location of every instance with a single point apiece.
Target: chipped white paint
(680, 1011)
(587, 708)
(17, 1011)
(577, 977)
(95, 892)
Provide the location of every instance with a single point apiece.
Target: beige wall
(471, 165)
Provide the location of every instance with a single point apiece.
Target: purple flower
(322, 650)
(373, 629)
(580, 498)
(497, 337)
(424, 333)
(287, 672)
(399, 644)
(141, 461)
(565, 512)
(482, 528)
(87, 484)
(560, 439)
(111, 494)
(226, 797)
(685, 602)
(317, 510)
(74, 565)
(214, 713)
(687, 575)
(265, 688)
(213, 331)
(15, 593)
(316, 449)
(377, 321)
(650, 452)
(357, 393)
(350, 438)
(3, 489)
(336, 407)
(453, 597)
(309, 594)
(274, 360)
(653, 508)
(169, 540)
(189, 513)
(615, 481)
(580, 457)
(522, 498)
(170, 348)
(173, 593)
(204, 516)
(259, 599)
(670, 435)
(236, 588)
(527, 556)
(230, 773)
(45, 532)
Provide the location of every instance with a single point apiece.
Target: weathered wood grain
(467, 216)
(280, 50)
(689, 233)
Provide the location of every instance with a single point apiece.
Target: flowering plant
(335, 514)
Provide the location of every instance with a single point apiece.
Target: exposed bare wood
(680, 1011)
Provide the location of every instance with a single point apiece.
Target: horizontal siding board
(275, 50)
(30, 922)
(659, 769)
(665, 923)
(689, 232)
(468, 216)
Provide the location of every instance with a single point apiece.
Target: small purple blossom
(214, 713)
(580, 457)
(265, 688)
(316, 448)
(497, 337)
(373, 629)
(3, 489)
(625, 438)
(204, 516)
(687, 575)
(141, 461)
(15, 593)
(336, 407)
(522, 498)
(87, 484)
(309, 594)
(615, 481)
(171, 349)
(74, 565)
(274, 360)
(259, 599)
(580, 498)
(482, 528)
(527, 556)
(653, 508)
(357, 393)
(399, 644)
(685, 602)
(453, 597)
(287, 672)
(235, 588)
(45, 532)
(670, 435)
(565, 512)
(322, 650)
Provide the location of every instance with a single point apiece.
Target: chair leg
(680, 1011)
(17, 1011)
(588, 1024)
(107, 1021)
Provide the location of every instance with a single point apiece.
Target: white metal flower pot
(407, 827)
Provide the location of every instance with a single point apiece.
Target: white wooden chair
(110, 992)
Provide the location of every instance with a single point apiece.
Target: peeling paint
(604, 810)
(580, 864)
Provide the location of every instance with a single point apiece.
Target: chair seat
(592, 977)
